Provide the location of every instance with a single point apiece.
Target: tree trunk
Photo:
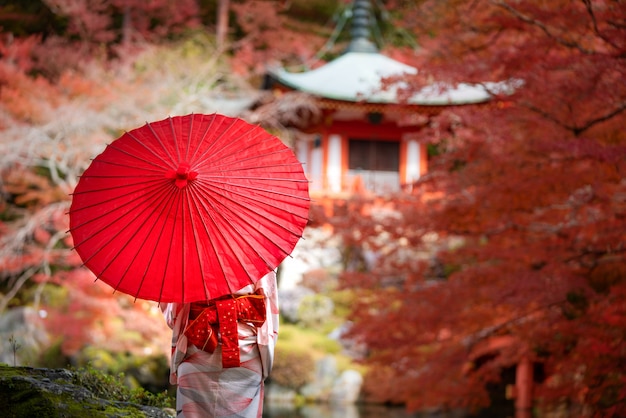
(222, 23)
(126, 26)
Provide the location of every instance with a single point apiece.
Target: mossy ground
(52, 393)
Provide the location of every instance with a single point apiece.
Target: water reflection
(345, 411)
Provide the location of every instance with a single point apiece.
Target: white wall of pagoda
(412, 161)
(334, 166)
(325, 164)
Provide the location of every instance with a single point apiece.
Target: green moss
(21, 397)
(19, 400)
(114, 387)
(148, 372)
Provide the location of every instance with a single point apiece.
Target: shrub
(293, 367)
(315, 309)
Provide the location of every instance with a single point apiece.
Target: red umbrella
(189, 208)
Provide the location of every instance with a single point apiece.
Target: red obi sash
(223, 314)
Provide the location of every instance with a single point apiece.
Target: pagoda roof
(359, 77)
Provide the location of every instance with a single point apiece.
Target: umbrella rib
(143, 160)
(113, 176)
(174, 136)
(206, 230)
(182, 248)
(254, 145)
(202, 138)
(152, 254)
(254, 160)
(150, 181)
(248, 210)
(150, 150)
(144, 275)
(152, 191)
(198, 252)
(232, 142)
(169, 253)
(259, 189)
(214, 141)
(252, 169)
(155, 182)
(242, 201)
(282, 179)
(224, 193)
(158, 138)
(191, 120)
(211, 213)
(135, 256)
(77, 245)
(113, 237)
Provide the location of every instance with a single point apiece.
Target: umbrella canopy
(189, 208)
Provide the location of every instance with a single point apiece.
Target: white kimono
(206, 389)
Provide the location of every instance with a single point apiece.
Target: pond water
(347, 411)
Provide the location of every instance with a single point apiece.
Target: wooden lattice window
(373, 155)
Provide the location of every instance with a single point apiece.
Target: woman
(220, 369)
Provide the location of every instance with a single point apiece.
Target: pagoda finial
(360, 31)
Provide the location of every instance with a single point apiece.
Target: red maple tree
(270, 32)
(513, 246)
(108, 21)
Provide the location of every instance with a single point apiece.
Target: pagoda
(363, 140)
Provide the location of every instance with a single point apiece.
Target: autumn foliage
(513, 245)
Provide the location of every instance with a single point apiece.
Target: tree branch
(592, 15)
(472, 339)
(542, 26)
(577, 130)
(4, 301)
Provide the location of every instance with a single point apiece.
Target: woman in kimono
(222, 351)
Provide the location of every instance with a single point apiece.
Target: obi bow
(223, 314)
